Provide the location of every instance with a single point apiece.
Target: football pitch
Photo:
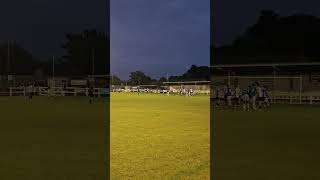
(155, 137)
(159, 137)
(61, 138)
(282, 143)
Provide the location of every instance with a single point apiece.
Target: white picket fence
(158, 91)
(290, 97)
(56, 91)
(296, 98)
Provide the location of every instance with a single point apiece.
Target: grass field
(282, 144)
(160, 137)
(52, 139)
(152, 137)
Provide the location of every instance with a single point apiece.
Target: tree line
(293, 38)
(195, 73)
(85, 53)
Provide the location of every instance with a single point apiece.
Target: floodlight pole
(9, 59)
(300, 92)
(53, 66)
(53, 73)
(8, 65)
(93, 64)
(274, 77)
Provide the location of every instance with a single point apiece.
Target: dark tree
(16, 60)
(88, 52)
(274, 38)
(139, 78)
(115, 80)
(197, 73)
(162, 79)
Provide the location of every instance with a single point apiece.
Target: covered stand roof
(187, 82)
(266, 68)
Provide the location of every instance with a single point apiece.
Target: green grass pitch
(52, 139)
(160, 137)
(282, 143)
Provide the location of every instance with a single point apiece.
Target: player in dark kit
(245, 100)
(217, 98)
(266, 97)
(90, 95)
(226, 94)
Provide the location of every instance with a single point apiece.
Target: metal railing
(55, 91)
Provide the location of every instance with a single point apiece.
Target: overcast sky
(159, 36)
(40, 25)
(232, 17)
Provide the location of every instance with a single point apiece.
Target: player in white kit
(260, 96)
(225, 95)
(236, 96)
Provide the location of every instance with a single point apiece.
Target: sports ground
(282, 143)
(155, 136)
(152, 137)
(61, 138)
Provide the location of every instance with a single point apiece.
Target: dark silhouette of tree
(273, 36)
(85, 49)
(139, 78)
(195, 73)
(20, 62)
(115, 80)
(162, 79)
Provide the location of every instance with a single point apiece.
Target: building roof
(266, 68)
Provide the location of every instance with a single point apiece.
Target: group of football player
(254, 97)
